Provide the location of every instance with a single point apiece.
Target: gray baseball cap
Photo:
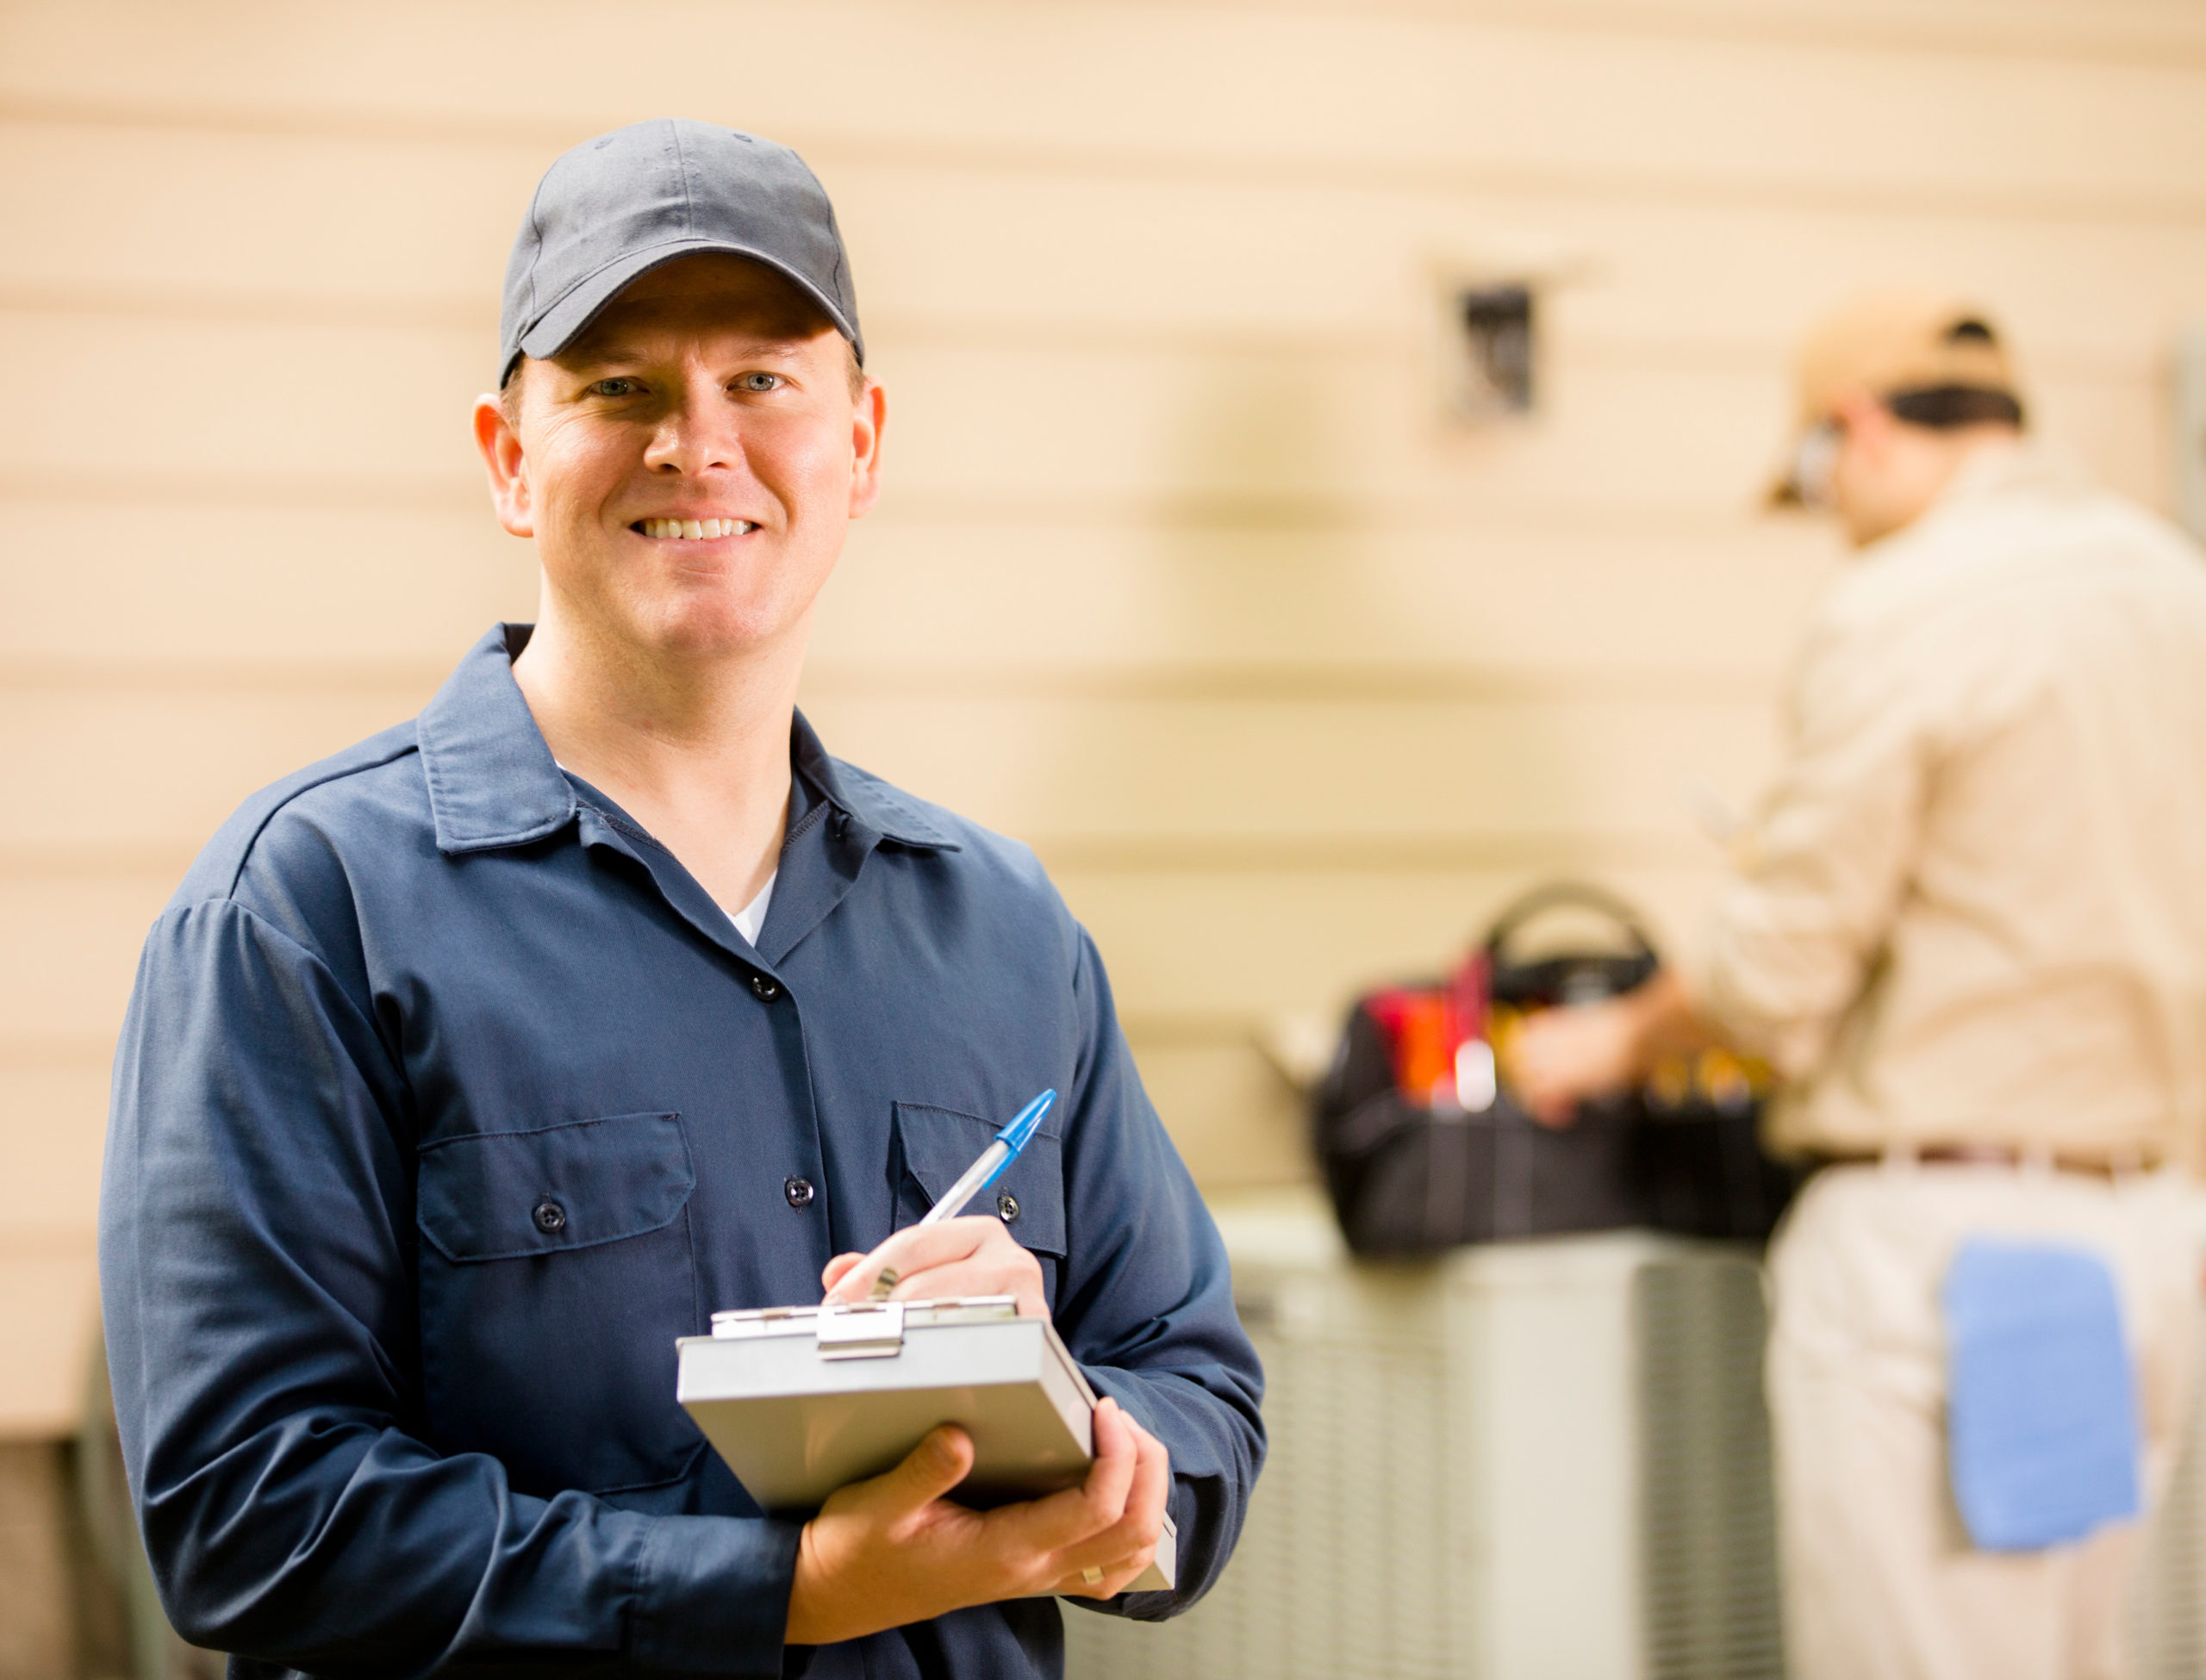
(622, 204)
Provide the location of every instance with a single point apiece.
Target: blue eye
(616, 387)
(759, 381)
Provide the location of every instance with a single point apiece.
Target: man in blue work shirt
(473, 1066)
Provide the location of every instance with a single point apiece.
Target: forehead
(703, 297)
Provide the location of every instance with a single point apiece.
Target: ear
(500, 447)
(869, 417)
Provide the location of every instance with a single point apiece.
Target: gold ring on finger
(1094, 1577)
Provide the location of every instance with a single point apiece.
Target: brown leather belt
(1996, 1155)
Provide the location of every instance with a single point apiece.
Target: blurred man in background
(1969, 928)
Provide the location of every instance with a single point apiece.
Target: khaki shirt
(1974, 909)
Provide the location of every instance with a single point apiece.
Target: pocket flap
(940, 1143)
(502, 1195)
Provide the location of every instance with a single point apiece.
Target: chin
(713, 626)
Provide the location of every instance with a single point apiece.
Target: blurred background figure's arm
(1794, 932)
(1559, 1058)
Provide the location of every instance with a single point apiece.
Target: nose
(698, 430)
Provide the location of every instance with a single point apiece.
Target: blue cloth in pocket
(2042, 1411)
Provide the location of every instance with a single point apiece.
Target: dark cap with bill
(626, 202)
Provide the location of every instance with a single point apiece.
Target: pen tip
(1028, 1120)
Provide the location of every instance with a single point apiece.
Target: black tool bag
(1415, 1170)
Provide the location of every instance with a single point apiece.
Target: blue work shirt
(448, 1099)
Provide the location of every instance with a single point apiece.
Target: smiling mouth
(692, 530)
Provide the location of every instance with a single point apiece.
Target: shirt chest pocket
(506, 1195)
(557, 1270)
(936, 1145)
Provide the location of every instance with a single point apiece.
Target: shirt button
(766, 988)
(798, 1191)
(1007, 1205)
(551, 1218)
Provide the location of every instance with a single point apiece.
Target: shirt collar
(2001, 468)
(886, 811)
(492, 783)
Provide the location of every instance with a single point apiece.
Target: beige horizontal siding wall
(1180, 574)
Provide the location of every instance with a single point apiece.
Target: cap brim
(571, 314)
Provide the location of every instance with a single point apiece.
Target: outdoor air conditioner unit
(2170, 1627)
(1538, 1459)
(1542, 1460)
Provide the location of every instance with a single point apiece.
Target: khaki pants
(1881, 1579)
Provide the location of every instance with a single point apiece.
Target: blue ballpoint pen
(994, 1159)
(979, 1176)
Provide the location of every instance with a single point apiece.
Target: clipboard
(801, 1401)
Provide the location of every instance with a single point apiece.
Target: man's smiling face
(688, 466)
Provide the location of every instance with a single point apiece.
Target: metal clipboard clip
(860, 1330)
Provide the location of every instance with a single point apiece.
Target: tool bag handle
(1509, 977)
(1561, 894)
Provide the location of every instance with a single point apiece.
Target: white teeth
(696, 530)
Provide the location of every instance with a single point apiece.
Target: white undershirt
(752, 916)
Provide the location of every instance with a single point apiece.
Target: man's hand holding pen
(943, 1256)
(898, 1549)
(975, 1255)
